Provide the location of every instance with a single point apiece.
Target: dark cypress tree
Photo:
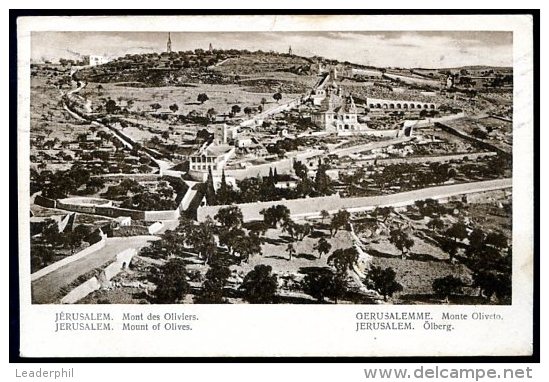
(275, 175)
(223, 192)
(210, 190)
(322, 181)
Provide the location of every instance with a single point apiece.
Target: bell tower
(169, 44)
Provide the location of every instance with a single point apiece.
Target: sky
(437, 49)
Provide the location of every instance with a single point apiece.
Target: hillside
(215, 67)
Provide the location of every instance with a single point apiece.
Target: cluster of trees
(134, 196)
(160, 200)
(123, 189)
(59, 184)
(232, 235)
(45, 246)
(488, 255)
(382, 281)
(322, 283)
(282, 146)
(408, 176)
(264, 189)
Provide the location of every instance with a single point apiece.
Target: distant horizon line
(34, 60)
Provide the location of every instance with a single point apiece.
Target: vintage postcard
(276, 185)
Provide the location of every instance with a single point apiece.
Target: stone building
(214, 158)
(337, 113)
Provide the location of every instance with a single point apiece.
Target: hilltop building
(290, 50)
(94, 60)
(169, 44)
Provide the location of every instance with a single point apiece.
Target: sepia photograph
(324, 183)
(256, 167)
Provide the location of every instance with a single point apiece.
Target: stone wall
(311, 207)
(250, 211)
(136, 177)
(69, 259)
(161, 215)
(44, 202)
(123, 260)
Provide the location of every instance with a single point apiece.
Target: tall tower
(169, 44)
(210, 48)
(290, 50)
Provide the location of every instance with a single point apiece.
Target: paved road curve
(47, 289)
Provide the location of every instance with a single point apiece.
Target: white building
(98, 60)
(214, 158)
(224, 134)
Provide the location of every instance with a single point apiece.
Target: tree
(174, 108)
(202, 239)
(289, 227)
(300, 169)
(322, 180)
(490, 283)
(41, 256)
(435, 224)
(450, 247)
(401, 240)
(229, 217)
(155, 106)
(339, 220)
(111, 107)
(277, 97)
(497, 240)
(324, 215)
(476, 241)
(273, 215)
(259, 285)
(212, 289)
(322, 246)
(248, 111)
(458, 231)
(263, 102)
(382, 281)
(235, 109)
(210, 190)
(211, 113)
(291, 251)
(343, 259)
(479, 133)
(202, 97)
(171, 282)
(324, 283)
(247, 245)
(447, 286)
